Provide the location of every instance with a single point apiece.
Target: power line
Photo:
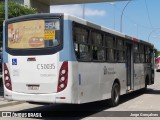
(148, 14)
(132, 21)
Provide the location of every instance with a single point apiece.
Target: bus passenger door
(129, 67)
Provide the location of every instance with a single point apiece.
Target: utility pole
(121, 22)
(84, 11)
(6, 9)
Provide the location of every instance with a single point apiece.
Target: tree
(157, 53)
(14, 10)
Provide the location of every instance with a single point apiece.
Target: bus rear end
(32, 71)
(158, 64)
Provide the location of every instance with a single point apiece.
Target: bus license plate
(33, 87)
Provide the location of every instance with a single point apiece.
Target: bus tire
(115, 95)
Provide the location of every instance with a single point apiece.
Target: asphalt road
(138, 102)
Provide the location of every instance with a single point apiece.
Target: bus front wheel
(115, 95)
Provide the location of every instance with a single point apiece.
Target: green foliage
(14, 10)
(157, 53)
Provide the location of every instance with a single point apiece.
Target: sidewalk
(6, 103)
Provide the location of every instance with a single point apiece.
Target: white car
(158, 64)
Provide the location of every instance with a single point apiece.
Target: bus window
(110, 55)
(76, 46)
(101, 56)
(97, 48)
(141, 51)
(136, 53)
(120, 56)
(81, 35)
(110, 41)
(94, 51)
(97, 39)
(81, 43)
(120, 44)
(147, 55)
(34, 34)
(110, 51)
(120, 51)
(98, 53)
(135, 47)
(84, 52)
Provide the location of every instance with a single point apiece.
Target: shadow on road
(152, 91)
(130, 96)
(72, 111)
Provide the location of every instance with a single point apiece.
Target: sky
(140, 19)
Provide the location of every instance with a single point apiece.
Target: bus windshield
(31, 34)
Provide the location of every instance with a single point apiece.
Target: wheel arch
(118, 82)
(114, 101)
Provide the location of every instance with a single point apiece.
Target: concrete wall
(41, 7)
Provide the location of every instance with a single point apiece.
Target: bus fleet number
(45, 66)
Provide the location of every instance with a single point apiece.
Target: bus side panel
(89, 82)
(68, 54)
(121, 75)
(70, 93)
(96, 80)
(74, 75)
(139, 76)
(136, 76)
(148, 72)
(107, 79)
(111, 73)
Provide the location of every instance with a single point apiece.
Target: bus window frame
(77, 53)
(113, 47)
(35, 51)
(100, 46)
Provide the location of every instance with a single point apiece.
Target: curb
(9, 103)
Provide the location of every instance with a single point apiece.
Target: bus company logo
(14, 61)
(6, 114)
(109, 71)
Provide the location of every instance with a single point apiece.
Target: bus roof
(91, 24)
(111, 31)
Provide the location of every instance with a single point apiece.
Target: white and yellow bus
(58, 58)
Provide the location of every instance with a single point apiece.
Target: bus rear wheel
(115, 95)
